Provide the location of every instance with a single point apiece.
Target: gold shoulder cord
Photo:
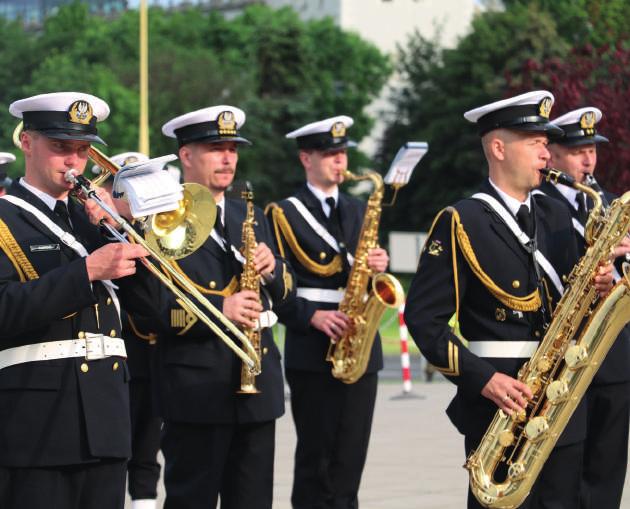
(282, 229)
(530, 302)
(230, 289)
(14, 252)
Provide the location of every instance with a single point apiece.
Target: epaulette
(283, 230)
(12, 249)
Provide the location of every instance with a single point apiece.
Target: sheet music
(407, 158)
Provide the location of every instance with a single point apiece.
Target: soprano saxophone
(561, 369)
(250, 280)
(366, 296)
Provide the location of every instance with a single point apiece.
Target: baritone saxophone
(366, 296)
(582, 330)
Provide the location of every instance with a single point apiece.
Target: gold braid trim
(530, 302)
(230, 289)
(282, 228)
(151, 337)
(14, 252)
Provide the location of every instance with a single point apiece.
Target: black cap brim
(65, 135)
(235, 139)
(547, 128)
(579, 141)
(341, 146)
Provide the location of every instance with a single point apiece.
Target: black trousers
(333, 421)
(205, 461)
(558, 484)
(144, 469)
(606, 446)
(99, 485)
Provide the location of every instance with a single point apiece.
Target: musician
(608, 397)
(143, 469)
(5, 181)
(217, 442)
(317, 229)
(474, 267)
(64, 406)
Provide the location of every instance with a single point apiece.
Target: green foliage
(282, 71)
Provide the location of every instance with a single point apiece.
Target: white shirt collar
(569, 193)
(321, 196)
(46, 198)
(512, 203)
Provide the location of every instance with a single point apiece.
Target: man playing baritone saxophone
(332, 419)
(217, 443)
(608, 396)
(474, 267)
(64, 401)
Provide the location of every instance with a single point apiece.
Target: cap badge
(587, 122)
(226, 123)
(129, 160)
(544, 107)
(80, 112)
(435, 248)
(338, 130)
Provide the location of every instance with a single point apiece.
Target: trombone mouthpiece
(71, 176)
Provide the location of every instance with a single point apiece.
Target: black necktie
(218, 225)
(62, 212)
(334, 227)
(582, 210)
(525, 220)
(231, 264)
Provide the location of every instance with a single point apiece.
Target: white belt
(503, 349)
(93, 347)
(320, 294)
(267, 320)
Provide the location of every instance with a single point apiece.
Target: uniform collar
(321, 197)
(568, 192)
(221, 204)
(45, 197)
(512, 203)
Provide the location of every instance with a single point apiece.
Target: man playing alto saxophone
(474, 266)
(317, 229)
(608, 397)
(218, 443)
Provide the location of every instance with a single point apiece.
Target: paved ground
(415, 455)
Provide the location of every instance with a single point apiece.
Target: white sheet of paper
(407, 158)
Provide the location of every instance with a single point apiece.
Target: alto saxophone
(363, 303)
(561, 369)
(250, 280)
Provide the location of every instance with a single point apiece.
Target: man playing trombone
(64, 407)
(218, 436)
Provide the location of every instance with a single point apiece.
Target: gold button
(516, 283)
(85, 367)
(537, 334)
(112, 333)
(265, 350)
(109, 301)
(213, 284)
(322, 255)
(81, 335)
(115, 366)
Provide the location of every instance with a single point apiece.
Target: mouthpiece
(71, 176)
(557, 177)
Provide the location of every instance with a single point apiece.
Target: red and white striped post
(404, 350)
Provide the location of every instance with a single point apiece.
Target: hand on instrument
(507, 393)
(377, 259)
(243, 308)
(264, 261)
(95, 213)
(604, 279)
(333, 323)
(113, 261)
(623, 248)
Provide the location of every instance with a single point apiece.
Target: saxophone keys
(516, 471)
(506, 438)
(536, 428)
(544, 364)
(557, 391)
(576, 356)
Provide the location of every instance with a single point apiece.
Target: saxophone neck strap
(66, 237)
(523, 238)
(317, 227)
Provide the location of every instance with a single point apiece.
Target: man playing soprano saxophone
(473, 266)
(332, 419)
(217, 442)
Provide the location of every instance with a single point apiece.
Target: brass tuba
(366, 297)
(188, 233)
(561, 369)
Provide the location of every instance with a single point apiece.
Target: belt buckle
(94, 346)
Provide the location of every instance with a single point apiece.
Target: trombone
(168, 222)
